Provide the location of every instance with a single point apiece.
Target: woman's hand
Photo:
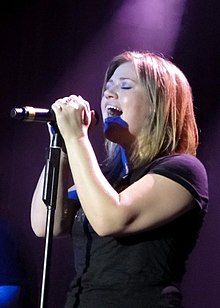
(73, 116)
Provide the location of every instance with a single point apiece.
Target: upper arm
(173, 186)
(150, 202)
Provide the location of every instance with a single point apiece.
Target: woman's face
(125, 96)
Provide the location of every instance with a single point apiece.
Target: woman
(138, 218)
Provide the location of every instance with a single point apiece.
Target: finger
(62, 102)
(57, 106)
(94, 118)
(84, 102)
(66, 100)
(85, 119)
(86, 107)
(73, 96)
(73, 99)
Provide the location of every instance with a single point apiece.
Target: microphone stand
(49, 197)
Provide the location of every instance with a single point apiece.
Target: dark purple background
(50, 49)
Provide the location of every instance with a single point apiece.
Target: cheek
(137, 110)
(135, 116)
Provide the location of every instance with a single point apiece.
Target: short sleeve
(186, 170)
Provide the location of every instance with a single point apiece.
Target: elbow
(39, 234)
(39, 231)
(106, 228)
(100, 228)
(115, 222)
(38, 224)
(102, 232)
(117, 226)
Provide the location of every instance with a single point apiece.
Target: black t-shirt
(140, 270)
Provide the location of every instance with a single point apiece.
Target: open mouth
(113, 111)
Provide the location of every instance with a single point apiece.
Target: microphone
(31, 114)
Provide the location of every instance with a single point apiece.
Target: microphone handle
(31, 114)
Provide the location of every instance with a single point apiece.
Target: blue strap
(124, 160)
(72, 194)
(114, 120)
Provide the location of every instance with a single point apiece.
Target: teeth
(113, 110)
(113, 107)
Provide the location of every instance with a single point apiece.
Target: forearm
(99, 200)
(63, 212)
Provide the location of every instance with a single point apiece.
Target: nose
(110, 93)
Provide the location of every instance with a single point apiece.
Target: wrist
(75, 145)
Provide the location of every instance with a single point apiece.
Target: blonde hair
(170, 127)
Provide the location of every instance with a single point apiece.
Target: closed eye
(126, 87)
